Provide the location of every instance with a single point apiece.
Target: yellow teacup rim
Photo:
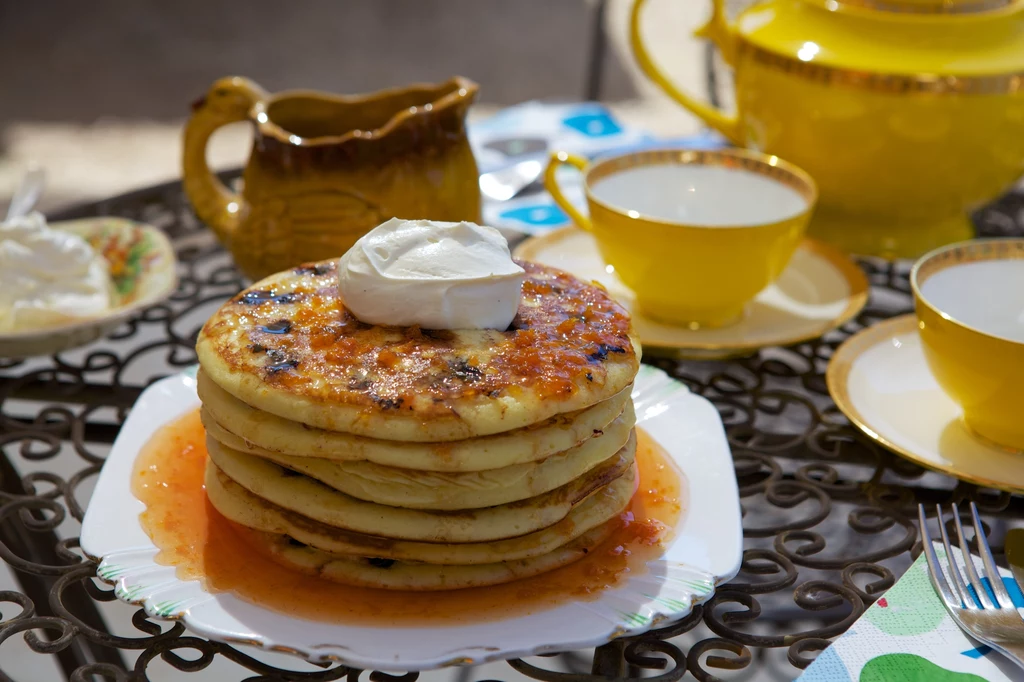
(964, 252)
(767, 165)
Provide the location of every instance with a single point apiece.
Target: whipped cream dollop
(48, 276)
(433, 274)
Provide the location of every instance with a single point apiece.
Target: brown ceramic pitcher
(326, 169)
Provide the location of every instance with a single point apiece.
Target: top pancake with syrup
(288, 345)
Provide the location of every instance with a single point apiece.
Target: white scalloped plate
(704, 554)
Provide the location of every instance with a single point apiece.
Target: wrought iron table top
(827, 513)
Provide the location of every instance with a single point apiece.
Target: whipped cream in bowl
(69, 283)
(48, 277)
(436, 275)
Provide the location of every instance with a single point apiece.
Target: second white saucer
(819, 290)
(880, 380)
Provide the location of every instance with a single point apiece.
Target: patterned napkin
(534, 130)
(907, 636)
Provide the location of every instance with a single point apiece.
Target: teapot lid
(924, 7)
(872, 44)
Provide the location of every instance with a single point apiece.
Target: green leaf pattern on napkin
(908, 608)
(910, 668)
(907, 636)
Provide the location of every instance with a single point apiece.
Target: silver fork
(992, 622)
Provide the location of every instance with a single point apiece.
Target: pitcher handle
(718, 30)
(227, 101)
(551, 185)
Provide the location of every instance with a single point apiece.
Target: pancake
(265, 432)
(315, 500)
(448, 491)
(288, 346)
(239, 505)
(394, 575)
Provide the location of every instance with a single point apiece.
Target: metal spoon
(509, 182)
(28, 193)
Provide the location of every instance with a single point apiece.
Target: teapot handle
(718, 30)
(227, 101)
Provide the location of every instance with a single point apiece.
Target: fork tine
(994, 577)
(972, 573)
(958, 579)
(934, 567)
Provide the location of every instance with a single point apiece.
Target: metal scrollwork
(740, 658)
(827, 513)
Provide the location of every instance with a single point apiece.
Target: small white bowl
(143, 270)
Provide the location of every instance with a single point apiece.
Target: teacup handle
(721, 33)
(228, 100)
(551, 184)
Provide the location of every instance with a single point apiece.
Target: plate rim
(837, 379)
(465, 654)
(855, 277)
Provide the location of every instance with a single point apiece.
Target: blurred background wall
(97, 91)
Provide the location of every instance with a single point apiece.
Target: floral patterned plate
(142, 270)
(704, 553)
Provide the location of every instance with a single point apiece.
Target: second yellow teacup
(695, 234)
(969, 299)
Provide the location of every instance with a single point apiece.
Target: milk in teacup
(700, 195)
(986, 295)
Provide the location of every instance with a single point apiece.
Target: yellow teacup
(969, 299)
(695, 234)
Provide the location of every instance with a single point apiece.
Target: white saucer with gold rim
(880, 380)
(819, 290)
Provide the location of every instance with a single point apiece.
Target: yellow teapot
(907, 113)
(324, 169)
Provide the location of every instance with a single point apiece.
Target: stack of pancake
(404, 458)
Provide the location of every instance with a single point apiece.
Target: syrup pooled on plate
(203, 545)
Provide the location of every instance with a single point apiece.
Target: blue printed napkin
(907, 636)
(534, 130)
